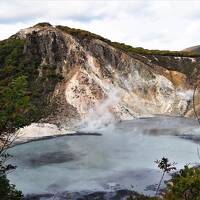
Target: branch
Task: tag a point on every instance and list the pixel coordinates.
(198, 154)
(193, 100)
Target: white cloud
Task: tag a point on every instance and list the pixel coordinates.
(148, 23)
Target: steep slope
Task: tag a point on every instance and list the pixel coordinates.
(78, 76)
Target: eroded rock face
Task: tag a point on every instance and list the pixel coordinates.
(100, 81)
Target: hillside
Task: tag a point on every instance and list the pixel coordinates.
(74, 75)
(194, 49)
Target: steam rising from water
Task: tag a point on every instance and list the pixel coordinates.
(185, 95)
(101, 115)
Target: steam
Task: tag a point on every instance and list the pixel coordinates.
(185, 95)
(101, 115)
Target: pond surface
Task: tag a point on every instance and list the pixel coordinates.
(121, 158)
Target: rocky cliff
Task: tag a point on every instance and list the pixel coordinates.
(80, 76)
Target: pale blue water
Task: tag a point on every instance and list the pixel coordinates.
(123, 156)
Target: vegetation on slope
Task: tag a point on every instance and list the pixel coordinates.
(15, 96)
(15, 64)
(86, 35)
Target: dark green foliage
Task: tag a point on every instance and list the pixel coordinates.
(12, 60)
(185, 185)
(17, 63)
(16, 74)
(11, 51)
(8, 191)
(15, 104)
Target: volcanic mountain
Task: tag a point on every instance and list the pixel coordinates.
(76, 75)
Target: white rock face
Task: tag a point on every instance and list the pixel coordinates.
(122, 97)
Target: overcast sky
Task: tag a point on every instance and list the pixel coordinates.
(151, 24)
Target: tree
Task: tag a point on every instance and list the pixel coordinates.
(193, 102)
(166, 167)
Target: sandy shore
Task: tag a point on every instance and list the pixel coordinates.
(44, 131)
(38, 131)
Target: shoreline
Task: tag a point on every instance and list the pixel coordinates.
(46, 131)
(52, 137)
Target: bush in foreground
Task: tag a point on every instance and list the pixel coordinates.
(185, 185)
(8, 191)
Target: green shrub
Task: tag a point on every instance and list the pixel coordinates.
(185, 185)
(8, 191)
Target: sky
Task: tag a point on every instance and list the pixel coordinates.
(152, 24)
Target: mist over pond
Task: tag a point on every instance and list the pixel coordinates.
(123, 156)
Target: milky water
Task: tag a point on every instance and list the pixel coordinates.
(121, 158)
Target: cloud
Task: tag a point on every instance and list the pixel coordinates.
(148, 23)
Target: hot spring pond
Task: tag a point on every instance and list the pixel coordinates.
(121, 158)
